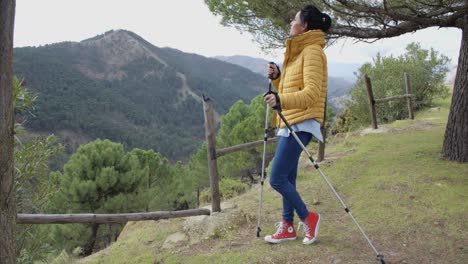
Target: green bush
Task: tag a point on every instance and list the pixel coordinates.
(427, 70)
(228, 188)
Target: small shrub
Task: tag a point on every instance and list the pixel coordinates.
(228, 188)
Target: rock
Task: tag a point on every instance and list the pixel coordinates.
(206, 227)
(173, 239)
(374, 131)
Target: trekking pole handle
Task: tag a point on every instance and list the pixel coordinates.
(269, 80)
(277, 67)
(270, 91)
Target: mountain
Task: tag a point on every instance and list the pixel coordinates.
(343, 70)
(340, 81)
(450, 79)
(338, 93)
(121, 87)
(256, 65)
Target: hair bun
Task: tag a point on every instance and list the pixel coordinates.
(315, 19)
(326, 19)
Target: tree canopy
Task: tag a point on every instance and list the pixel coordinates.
(268, 21)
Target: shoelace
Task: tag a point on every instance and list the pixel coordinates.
(280, 227)
(305, 226)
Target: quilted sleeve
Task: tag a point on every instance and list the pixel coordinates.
(313, 74)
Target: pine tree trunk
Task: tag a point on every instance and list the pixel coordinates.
(88, 248)
(7, 193)
(456, 134)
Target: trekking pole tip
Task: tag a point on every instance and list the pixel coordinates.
(258, 231)
(380, 258)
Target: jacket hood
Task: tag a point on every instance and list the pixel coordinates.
(311, 37)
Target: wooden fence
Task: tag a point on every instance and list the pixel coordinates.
(213, 153)
(105, 218)
(372, 101)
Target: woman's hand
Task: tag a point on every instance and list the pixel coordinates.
(273, 71)
(270, 99)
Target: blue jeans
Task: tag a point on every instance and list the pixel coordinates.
(284, 173)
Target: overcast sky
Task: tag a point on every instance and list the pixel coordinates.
(187, 25)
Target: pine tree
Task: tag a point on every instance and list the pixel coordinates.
(157, 190)
(99, 178)
(242, 124)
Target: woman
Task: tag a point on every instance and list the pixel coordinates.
(301, 91)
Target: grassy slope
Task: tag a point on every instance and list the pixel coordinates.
(411, 203)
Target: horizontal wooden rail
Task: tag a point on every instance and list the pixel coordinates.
(105, 218)
(224, 151)
(386, 99)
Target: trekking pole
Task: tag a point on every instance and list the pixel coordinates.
(380, 257)
(265, 138)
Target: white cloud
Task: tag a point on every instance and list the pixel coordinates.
(189, 26)
(446, 41)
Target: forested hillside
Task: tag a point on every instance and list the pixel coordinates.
(121, 87)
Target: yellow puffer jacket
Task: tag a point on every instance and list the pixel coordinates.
(302, 86)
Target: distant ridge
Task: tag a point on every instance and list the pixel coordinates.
(256, 65)
(338, 87)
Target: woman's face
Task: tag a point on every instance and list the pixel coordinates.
(296, 27)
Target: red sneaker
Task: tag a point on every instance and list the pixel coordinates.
(311, 227)
(285, 231)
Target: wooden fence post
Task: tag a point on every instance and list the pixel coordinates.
(211, 151)
(323, 129)
(370, 95)
(409, 100)
(198, 197)
(321, 149)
